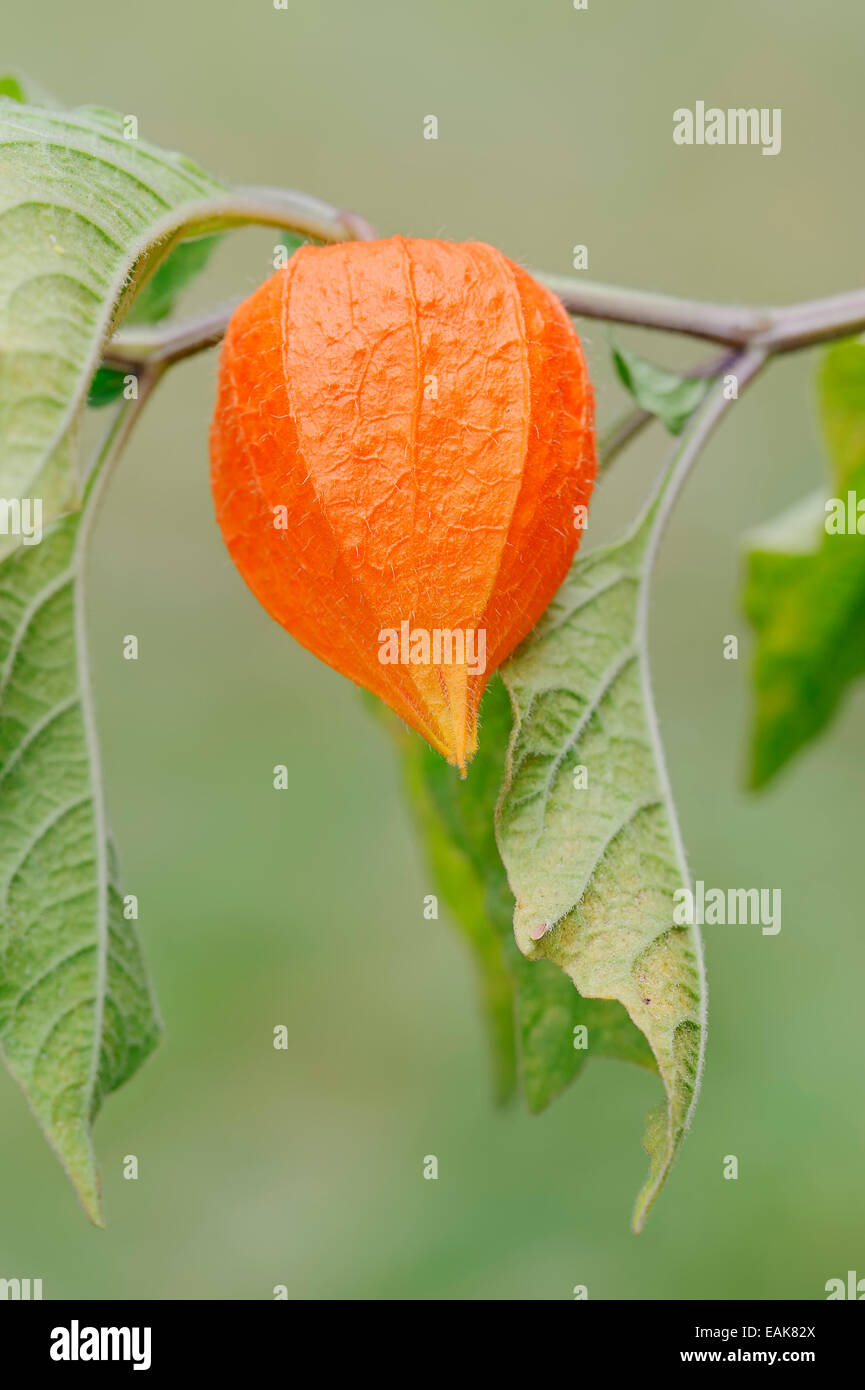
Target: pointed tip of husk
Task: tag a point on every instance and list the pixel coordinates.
(446, 714)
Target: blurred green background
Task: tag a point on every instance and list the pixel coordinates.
(304, 1167)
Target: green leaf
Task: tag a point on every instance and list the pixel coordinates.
(158, 298)
(77, 1016)
(532, 1010)
(599, 865)
(455, 818)
(842, 409)
(805, 587)
(85, 216)
(670, 397)
(292, 242)
(106, 386)
(11, 87)
(19, 88)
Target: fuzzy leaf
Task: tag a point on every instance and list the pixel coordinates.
(85, 216)
(531, 1008)
(599, 864)
(805, 586)
(77, 1015)
(156, 301)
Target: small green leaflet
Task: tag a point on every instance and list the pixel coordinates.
(23, 89)
(292, 242)
(598, 866)
(11, 87)
(77, 1015)
(532, 1009)
(106, 386)
(157, 298)
(672, 398)
(805, 585)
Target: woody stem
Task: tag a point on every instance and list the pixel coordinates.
(776, 330)
(620, 433)
(734, 326)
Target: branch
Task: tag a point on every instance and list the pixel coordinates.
(733, 326)
(816, 321)
(745, 367)
(717, 323)
(132, 349)
(296, 212)
(620, 434)
(778, 330)
(120, 429)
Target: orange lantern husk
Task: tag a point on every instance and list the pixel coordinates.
(402, 447)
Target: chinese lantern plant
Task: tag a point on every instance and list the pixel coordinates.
(371, 514)
(402, 453)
